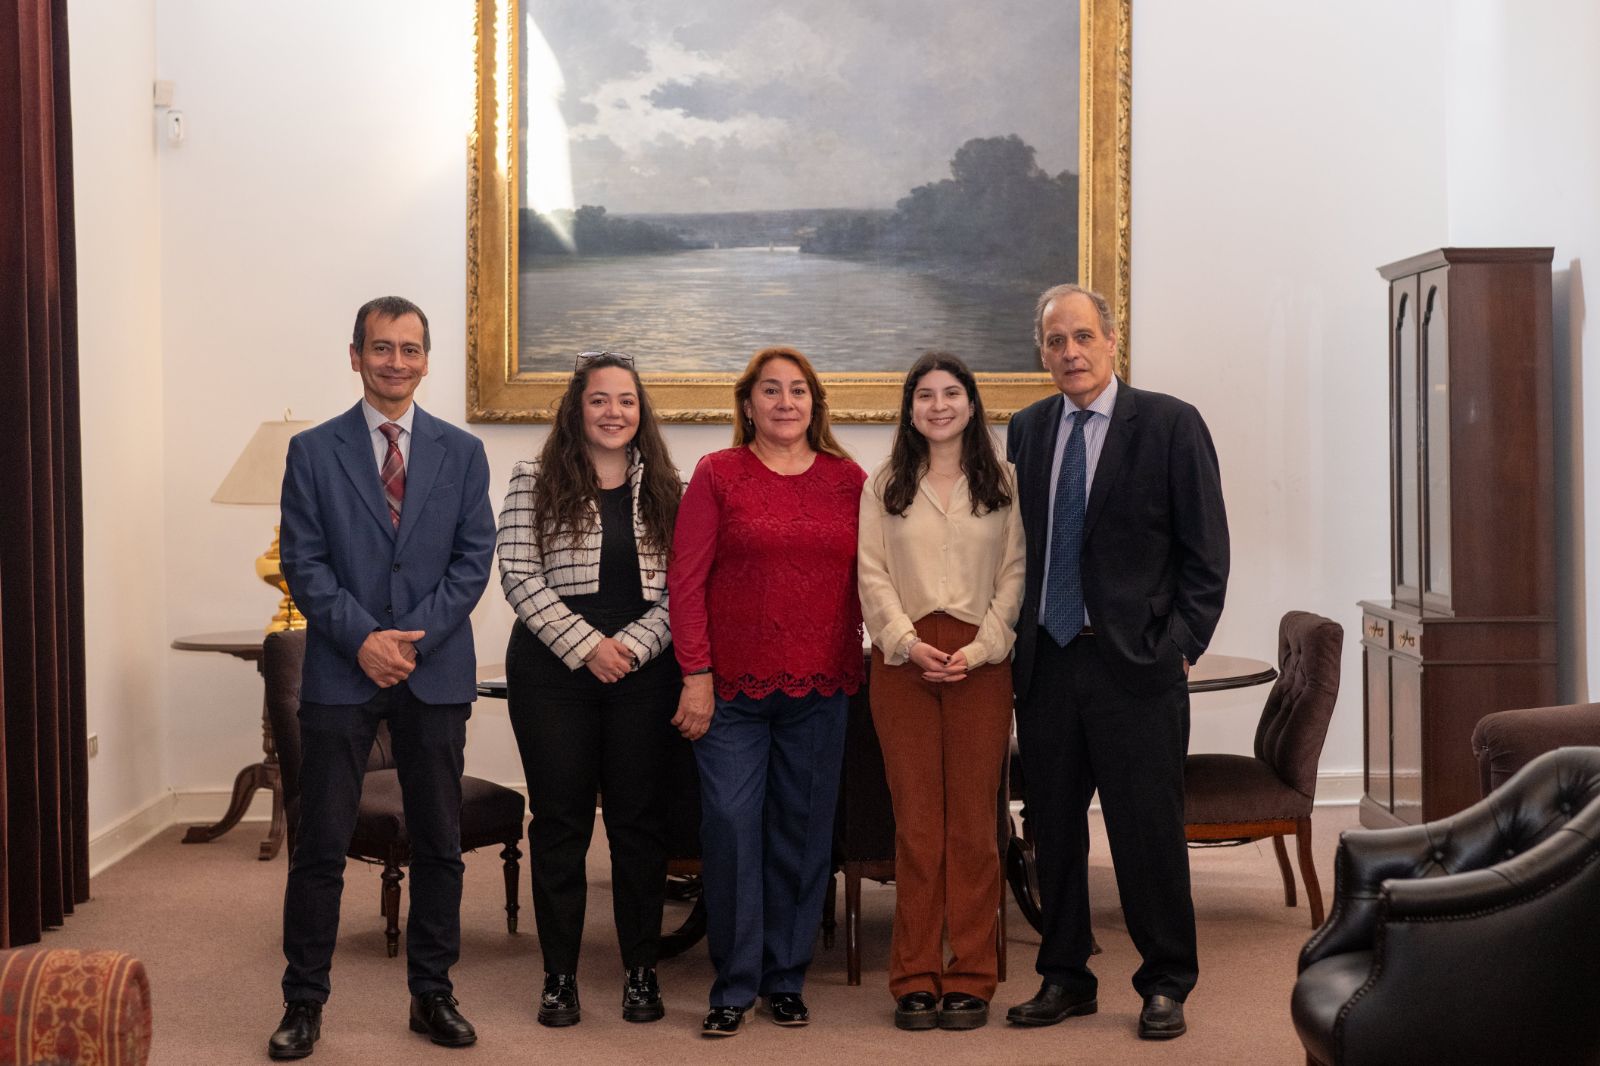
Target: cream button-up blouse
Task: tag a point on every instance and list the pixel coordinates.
(932, 559)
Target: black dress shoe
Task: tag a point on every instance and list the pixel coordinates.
(435, 1014)
(722, 1021)
(300, 1028)
(1051, 1004)
(641, 996)
(1161, 1018)
(916, 1010)
(960, 1011)
(788, 1008)
(558, 1003)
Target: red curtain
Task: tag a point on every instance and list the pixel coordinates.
(44, 821)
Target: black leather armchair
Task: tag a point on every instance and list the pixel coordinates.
(1472, 939)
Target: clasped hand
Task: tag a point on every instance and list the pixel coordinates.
(610, 661)
(938, 666)
(389, 655)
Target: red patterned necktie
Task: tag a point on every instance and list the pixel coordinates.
(393, 473)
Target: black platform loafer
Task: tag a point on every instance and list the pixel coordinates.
(641, 996)
(1161, 1019)
(787, 1008)
(300, 1029)
(722, 1021)
(435, 1014)
(1051, 1004)
(558, 1003)
(916, 1010)
(960, 1011)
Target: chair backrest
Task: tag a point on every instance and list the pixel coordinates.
(282, 656)
(1294, 722)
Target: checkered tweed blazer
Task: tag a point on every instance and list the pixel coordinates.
(534, 584)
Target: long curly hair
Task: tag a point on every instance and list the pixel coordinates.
(988, 485)
(819, 433)
(567, 490)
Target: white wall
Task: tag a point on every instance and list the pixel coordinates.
(113, 57)
(1281, 154)
(1524, 167)
(1273, 171)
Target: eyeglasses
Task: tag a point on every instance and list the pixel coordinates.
(586, 358)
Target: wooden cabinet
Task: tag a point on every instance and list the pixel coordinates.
(1469, 626)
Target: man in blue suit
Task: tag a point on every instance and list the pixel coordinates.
(386, 540)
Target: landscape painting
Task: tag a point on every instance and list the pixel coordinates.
(689, 182)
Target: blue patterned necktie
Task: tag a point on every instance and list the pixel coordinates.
(1063, 608)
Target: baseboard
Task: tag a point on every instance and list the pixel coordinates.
(116, 842)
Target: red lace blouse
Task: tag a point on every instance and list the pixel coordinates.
(762, 581)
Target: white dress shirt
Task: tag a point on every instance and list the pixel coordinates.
(380, 443)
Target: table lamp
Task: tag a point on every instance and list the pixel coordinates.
(257, 477)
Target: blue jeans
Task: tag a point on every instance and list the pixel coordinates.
(769, 785)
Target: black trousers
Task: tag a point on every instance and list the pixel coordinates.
(579, 737)
(336, 740)
(1078, 731)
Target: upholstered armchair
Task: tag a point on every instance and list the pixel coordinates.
(66, 1007)
(1506, 741)
(1234, 799)
(490, 813)
(1471, 939)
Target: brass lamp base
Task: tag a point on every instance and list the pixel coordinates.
(269, 569)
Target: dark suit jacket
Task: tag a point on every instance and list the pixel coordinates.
(351, 572)
(1155, 543)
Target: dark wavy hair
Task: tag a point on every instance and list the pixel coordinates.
(567, 484)
(819, 433)
(987, 483)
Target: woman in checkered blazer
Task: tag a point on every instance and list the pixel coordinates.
(590, 677)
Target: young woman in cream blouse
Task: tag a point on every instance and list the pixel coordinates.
(941, 570)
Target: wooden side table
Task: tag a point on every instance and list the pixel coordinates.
(243, 644)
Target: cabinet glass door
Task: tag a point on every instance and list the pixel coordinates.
(1435, 376)
(1403, 446)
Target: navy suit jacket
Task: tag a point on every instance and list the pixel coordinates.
(352, 572)
(1155, 541)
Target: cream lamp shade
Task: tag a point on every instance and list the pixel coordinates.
(257, 477)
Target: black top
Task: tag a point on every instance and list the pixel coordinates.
(620, 599)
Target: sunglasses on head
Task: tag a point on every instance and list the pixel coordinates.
(586, 358)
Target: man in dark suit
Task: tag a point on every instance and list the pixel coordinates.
(386, 540)
(1127, 565)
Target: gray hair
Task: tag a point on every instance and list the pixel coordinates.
(389, 307)
(1108, 326)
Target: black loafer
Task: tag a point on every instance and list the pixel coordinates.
(558, 1003)
(435, 1014)
(641, 996)
(722, 1021)
(300, 1028)
(787, 1008)
(960, 1011)
(916, 1010)
(1161, 1019)
(1051, 1004)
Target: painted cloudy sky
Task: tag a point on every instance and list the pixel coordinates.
(729, 105)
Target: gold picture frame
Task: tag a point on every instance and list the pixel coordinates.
(497, 392)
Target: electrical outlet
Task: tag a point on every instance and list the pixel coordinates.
(94, 744)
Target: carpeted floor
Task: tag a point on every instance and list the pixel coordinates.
(205, 921)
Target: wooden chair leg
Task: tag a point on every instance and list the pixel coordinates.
(509, 855)
(852, 923)
(1000, 935)
(1283, 868)
(390, 900)
(830, 908)
(1308, 869)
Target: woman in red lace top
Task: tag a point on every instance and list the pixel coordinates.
(767, 629)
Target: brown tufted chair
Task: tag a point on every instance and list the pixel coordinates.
(1506, 741)
(1471, 939)
(490, 813)
(1234, 799)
